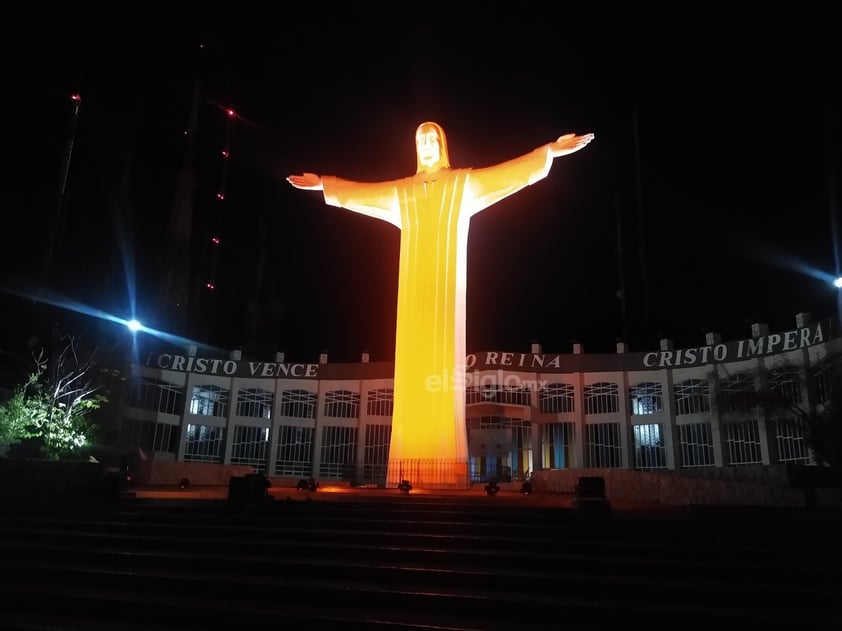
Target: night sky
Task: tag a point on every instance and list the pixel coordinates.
(710, 187)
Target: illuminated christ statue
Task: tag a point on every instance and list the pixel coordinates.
(433, 209)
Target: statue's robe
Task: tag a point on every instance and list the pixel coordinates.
(429, 442)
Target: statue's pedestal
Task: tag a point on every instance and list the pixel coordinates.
(429, 474)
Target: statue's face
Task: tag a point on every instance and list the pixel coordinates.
(427, 143)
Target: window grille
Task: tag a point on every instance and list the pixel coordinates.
(602, 398)
(786, 382)
(646, 398)
(650, 451)
(294, 455)
(738, 392)
(696, 443)
(376, 454)
(342, 404)
(691, 396)
(376, 451)
(557, 398)
(150, 436)
(338, 449)
(792, 442)
(255, 403)
(827, 378)
(249, 447)
(511, 395)
(298, 403)
(381, 402)
(603, 446)
(205, 443)
(156, 395)
(743, 440)
(557, 439)
(209, 400)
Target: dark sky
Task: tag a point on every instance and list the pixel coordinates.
(711, 183)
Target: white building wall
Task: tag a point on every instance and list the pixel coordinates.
(667, 376)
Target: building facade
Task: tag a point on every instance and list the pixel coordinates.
(674, 409)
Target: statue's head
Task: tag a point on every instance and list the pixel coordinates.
(431, 148)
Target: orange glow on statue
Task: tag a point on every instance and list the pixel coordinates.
(432, 209)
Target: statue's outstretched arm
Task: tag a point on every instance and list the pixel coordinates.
(491, 184)
(306, 181)
(569, 143)
(378, 200)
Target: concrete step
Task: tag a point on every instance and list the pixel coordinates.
(435, 563)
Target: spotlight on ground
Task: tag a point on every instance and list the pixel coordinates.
(307, 485)
(404, 487)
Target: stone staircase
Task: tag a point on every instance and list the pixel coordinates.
(413, 562)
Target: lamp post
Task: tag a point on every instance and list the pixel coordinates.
(838, 284)
(134, 326)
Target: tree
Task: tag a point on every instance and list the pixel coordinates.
(18, 414)
(777, 394)
(52, 409)
(824, 423)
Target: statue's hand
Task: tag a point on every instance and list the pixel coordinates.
(568, 143)
(306, 181)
